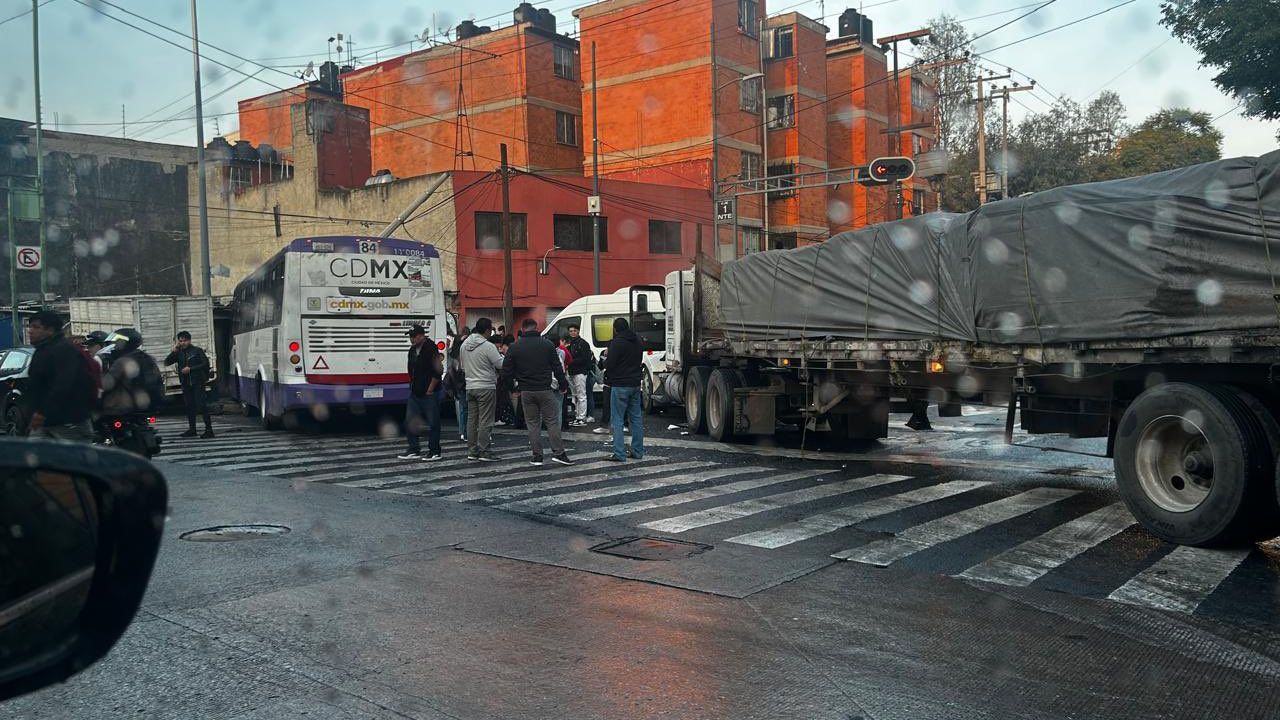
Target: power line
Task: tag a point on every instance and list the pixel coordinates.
(1064, 25)
(1131, 66)
(1037, 9)
(22, 14)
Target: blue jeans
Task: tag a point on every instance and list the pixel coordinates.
(460, 410)
(423, 413)
(625, 403)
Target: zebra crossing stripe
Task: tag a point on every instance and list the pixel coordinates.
(305, 456)
(236, 452)
(619, 474)
(693, 495)
(1181, 580)
(473, 479)
(746, 508)
(828, 522)
(950, 527)
(540, 503)
(428, 471)
(1028, 562)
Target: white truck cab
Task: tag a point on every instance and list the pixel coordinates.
(594, 316)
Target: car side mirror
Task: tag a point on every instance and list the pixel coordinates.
(80, 527)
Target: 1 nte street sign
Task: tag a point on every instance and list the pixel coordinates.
(28, 257)
(725, 209)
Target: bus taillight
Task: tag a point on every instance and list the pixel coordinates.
(295, 346)
(441, 346)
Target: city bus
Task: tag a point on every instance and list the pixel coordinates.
(323, 325)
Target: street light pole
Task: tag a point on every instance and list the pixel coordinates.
(595, 175)
(35, 54)
(206, 279)
(715, 148)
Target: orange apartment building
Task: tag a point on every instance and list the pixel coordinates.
(679, 102)
(450, 106)
(786, 100)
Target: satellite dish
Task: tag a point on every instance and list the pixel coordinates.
(311, 69)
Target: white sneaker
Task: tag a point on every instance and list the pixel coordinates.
(409, 456)
(601, 431)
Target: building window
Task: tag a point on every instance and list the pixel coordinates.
(782, 112)
(566, 128)
(750, 166)
(747, 21)
(574, 232)
(782, 241)
(562, 61)
(489, 231)
(786, 185)
(919, 203)
(664, 237)
(749, 93)
(750, 241)
(780, 43)
(921, 96)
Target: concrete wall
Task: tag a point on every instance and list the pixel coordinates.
(242, 227)
(116, 210)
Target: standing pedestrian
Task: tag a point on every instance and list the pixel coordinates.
(60, 393)
(455, 382)
(193, 373)
(579, 369)
(422, 412)
(481, 362)
(532, 362)
(622, 372)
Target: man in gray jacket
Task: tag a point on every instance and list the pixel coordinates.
(481, 363)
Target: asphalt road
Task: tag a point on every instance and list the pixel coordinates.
(932, 575)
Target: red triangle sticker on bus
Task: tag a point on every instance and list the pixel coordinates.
(320, 364)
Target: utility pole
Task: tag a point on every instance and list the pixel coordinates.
(507, 297)
(595, 176)
(764, 144)
(982, 136)
(715, 146)
(982, 146)
(35, 55)
(13, 262)
(1004, 135)
(206, 278)
(895, 130)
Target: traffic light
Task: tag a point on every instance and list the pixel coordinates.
(888, 169)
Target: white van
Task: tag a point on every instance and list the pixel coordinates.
(594, 316)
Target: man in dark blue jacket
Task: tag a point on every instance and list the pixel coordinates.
(531, 363)
(426, 389)
(61, 394)
(622, 372)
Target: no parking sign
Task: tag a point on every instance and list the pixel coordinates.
(29, 258)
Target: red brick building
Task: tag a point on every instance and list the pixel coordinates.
(693, 96)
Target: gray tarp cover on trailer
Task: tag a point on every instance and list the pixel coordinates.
(1185, 251)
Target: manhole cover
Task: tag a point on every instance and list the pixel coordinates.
(651, 548)
(230, 533)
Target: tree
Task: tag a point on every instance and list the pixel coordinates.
(1240, 39)
(948, 40)
(1168, 139)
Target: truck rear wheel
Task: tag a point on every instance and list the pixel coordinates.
(1193, 464)
(720, 403)
(695, 399)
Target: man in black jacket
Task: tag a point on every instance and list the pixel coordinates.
(579, 367)
(531, 362)
(60, 392)
(193, 374)
(622, 372)
(426, 389)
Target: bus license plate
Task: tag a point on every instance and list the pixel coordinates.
(372, 393)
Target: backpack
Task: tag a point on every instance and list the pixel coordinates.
(94, 372)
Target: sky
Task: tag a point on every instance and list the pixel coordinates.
(94, 69)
